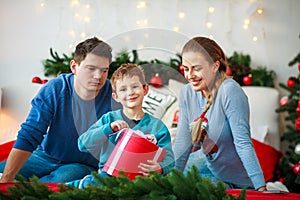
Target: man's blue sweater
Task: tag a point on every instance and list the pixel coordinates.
(58, 117)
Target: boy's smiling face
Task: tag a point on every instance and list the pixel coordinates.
(130, 92)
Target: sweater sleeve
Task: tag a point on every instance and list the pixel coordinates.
(164, 141)
(39, 118)
(183, 141)
(92, 140)
(237, 110)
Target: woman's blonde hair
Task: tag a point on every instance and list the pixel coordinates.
(213, 53)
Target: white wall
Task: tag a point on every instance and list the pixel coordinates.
(28, 30)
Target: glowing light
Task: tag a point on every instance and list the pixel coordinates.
(87, 6)
(211, 37)
(176, 29)
(254, 38)
(209, 25)
(247, 21)
(72, 33)
(211, 9)
(260, 11)
(76, 15)
(83, 34)
(181, 15)
(245, 26)
(42, 4)
(141, 4)
(140, 46)
(75, 3)
(142, 22)
(70, 46)
(87, 19)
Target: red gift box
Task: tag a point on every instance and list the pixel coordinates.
(131, 150)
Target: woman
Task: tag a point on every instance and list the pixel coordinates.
(214, 117)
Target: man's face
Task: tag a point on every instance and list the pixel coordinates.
(90, 75)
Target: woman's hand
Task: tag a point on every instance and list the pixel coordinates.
(118, 125)
(151, 166)
(263, 188)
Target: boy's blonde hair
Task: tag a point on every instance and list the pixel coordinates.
(128, 69)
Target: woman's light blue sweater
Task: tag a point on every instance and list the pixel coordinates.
(228, 125)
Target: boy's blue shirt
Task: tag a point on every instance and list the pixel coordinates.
(100, 140)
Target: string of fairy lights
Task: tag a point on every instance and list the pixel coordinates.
(81, 15)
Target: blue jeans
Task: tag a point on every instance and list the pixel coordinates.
(48, 169)
(86, 181)
(198, 159)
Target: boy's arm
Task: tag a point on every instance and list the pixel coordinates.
(91, 140)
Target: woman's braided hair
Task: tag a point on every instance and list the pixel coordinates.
(213, 52)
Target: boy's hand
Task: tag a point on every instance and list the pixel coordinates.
(151, 166)
(118, 125)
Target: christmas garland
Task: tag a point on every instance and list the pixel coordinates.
(239, 68)
(173, 186)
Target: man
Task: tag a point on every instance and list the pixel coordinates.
(63, 109)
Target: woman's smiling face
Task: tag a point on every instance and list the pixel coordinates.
(199, 71)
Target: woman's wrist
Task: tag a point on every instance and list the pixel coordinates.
(263, 188)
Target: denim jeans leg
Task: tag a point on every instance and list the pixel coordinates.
(37, 165)
(67, 173)
(199, 160)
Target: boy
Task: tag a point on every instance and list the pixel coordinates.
(129, 88)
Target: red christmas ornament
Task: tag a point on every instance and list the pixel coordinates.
(228, 71)
(298, 111)
(297, 124)
(181, 69)
(296, 168)
(284, 101)
(156, 81)
(36, 79)
(44, 81)
(282, 180)
(299, 66)
(291, 82)
(247, 80)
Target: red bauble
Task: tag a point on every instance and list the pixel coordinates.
(281, 180)
(156, 81)
(228, 71)
(299, 66)
(36, 79)
(247, 80)
(181, 69)
(297, 124)
(284, 101)
(44, 81)
(291, 82)
(296, 168)
(298, 111)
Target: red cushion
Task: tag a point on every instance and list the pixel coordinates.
(268, 158)
(5, 149)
